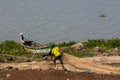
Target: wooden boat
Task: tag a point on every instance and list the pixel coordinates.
(28, 45)
(38, 50)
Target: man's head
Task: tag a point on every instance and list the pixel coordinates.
(53, 46)
(21, 33)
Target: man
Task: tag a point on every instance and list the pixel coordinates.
(25, 40)
(58, 56)
(22, 38)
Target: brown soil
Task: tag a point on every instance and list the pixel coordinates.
(95, 68)
(53, 75)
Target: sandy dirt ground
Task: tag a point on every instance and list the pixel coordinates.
(95, 68)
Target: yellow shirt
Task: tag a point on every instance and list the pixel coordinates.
(56, 51)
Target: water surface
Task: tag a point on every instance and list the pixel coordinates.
(59, 20)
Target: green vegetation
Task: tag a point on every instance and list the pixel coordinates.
(66, 44)
(80, 54)
(102, 43)
(12, 48)
(90, 44)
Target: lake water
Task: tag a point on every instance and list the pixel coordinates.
(59, 20)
